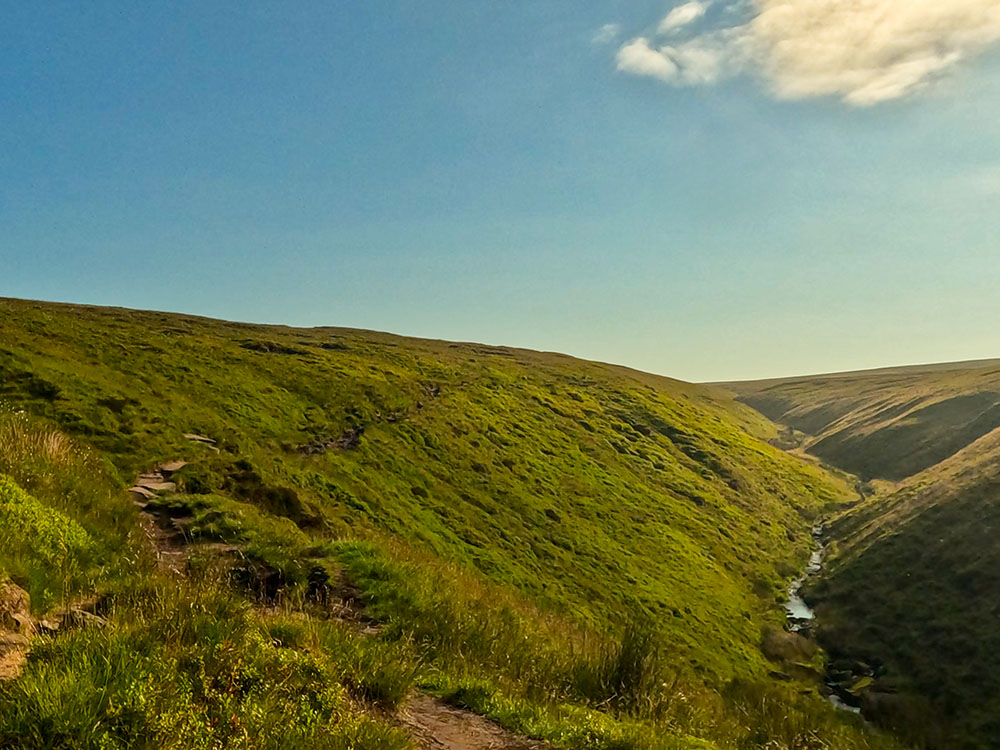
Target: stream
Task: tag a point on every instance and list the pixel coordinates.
(801, 617)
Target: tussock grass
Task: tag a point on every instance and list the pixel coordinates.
(190, 665)
(64, 526)
(180, 663)
(574, 687)
(41, 547)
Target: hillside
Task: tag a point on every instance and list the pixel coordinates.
(888, 424)
(913, 581)
(586, 553)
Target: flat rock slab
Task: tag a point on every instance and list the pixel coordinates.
(434, 725)
(141, 493)
(171, 466)
(158, 486)
(199, 438)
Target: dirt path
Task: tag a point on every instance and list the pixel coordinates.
(13, 655)
(435, 725)
(16, 625)
(162, 533)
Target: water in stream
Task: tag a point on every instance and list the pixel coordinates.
(798, 612)
(800, 615)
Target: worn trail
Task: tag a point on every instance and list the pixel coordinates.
(435, 725)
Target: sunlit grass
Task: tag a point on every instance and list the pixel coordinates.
(586, 554)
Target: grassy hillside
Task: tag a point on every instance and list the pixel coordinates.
(158, 661)
(586, 553)
(915, 588)
(913, 581)
(887, 424)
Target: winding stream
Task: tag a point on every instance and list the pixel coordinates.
(800, 615)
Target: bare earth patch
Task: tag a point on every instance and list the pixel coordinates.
(435, 725)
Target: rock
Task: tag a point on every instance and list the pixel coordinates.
(80, 618)
(26, 623)
(861, 685)
(15, 606)
(862, 668)
(10, 642)
(199, 438)
(778, 645)
(141, 495)
(158, 486)
(171, 466)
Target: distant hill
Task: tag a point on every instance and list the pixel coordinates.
(915, 579)
(589, 554)
(889, 423)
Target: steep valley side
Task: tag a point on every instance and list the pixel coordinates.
(913, 579)
(587, 554)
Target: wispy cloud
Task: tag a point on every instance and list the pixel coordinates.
(608, 33)
(682, 15)
(863, 51)
(638, 58)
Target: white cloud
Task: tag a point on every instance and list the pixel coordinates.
(682, 15)
(863, 51)
(638, 58)
(608, 33)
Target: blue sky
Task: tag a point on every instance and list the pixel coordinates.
(571, 176)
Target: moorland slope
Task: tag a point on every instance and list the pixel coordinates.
(585, 553)
(914, 577)
(890, 423)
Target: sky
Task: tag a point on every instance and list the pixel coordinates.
(707, 190)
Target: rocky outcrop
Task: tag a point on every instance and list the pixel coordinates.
(16, 625)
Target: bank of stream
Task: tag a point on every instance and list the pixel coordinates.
(842, 687)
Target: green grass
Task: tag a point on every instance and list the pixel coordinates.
(190, 666)
(39, 544)
(911, 586)
(63, 528)
(592, 551)
(180, 663)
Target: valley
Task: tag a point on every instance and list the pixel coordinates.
(908, 591)
(577, 554)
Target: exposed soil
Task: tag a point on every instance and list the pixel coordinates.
(18, 626)
(434, 725)
(13, 655)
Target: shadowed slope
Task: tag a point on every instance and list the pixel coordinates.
(915, 573)
(887, 424)
(915, 587)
